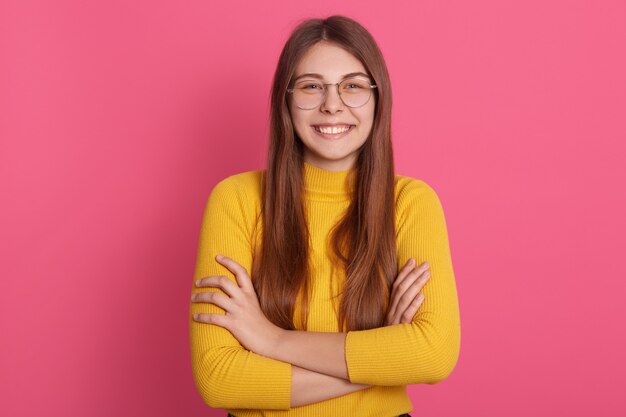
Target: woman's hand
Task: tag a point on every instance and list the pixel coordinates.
(244, 317)
(405, 297)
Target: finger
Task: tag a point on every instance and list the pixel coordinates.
(411, 292)
(400, 287)
(217, 319)
(219, 281)
(405, 293)
(406, 272)
(390, 320)
(406, 269)
(241, 274)
(412, 273)
(216, 298)
(409, 313)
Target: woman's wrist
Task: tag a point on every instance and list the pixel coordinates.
(309, 387)
(272, 342)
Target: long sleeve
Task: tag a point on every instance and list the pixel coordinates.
(226, 374)
(426, 350)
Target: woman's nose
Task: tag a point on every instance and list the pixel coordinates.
(332, 101)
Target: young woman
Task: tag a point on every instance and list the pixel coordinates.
(310, 293)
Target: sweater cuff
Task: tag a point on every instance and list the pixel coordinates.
(376, 356)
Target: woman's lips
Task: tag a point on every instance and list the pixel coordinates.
(331, 136)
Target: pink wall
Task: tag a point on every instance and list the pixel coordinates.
(117, 118)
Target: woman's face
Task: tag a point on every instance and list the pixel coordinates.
(331, 152)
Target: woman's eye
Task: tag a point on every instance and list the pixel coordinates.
(310, 86)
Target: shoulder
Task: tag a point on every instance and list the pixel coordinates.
(412, 190)
(240, 192)
(241, 185)
(416, 197)
(236, 198)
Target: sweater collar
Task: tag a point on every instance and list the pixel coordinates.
(320, 184)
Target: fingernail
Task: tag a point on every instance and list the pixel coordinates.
(411, 262)
(198, 282)
(426, 265)
(219, 257)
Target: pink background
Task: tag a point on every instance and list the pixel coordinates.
(117, 118)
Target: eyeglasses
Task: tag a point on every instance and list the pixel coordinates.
(353, 92)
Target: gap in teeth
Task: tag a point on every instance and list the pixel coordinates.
(332, 130)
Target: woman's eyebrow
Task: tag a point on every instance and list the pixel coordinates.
(321, 77)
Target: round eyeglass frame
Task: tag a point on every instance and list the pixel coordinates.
(371, 86)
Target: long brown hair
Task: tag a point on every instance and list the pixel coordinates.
(364, 240)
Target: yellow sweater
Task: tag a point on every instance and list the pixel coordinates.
(423, 352)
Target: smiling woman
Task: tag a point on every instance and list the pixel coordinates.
(312, 295)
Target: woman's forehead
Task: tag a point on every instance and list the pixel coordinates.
(328, 62)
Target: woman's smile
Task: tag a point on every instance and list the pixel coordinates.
(332, 132)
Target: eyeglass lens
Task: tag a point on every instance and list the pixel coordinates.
(354, 92)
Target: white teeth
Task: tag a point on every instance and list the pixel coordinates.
(332, 130)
